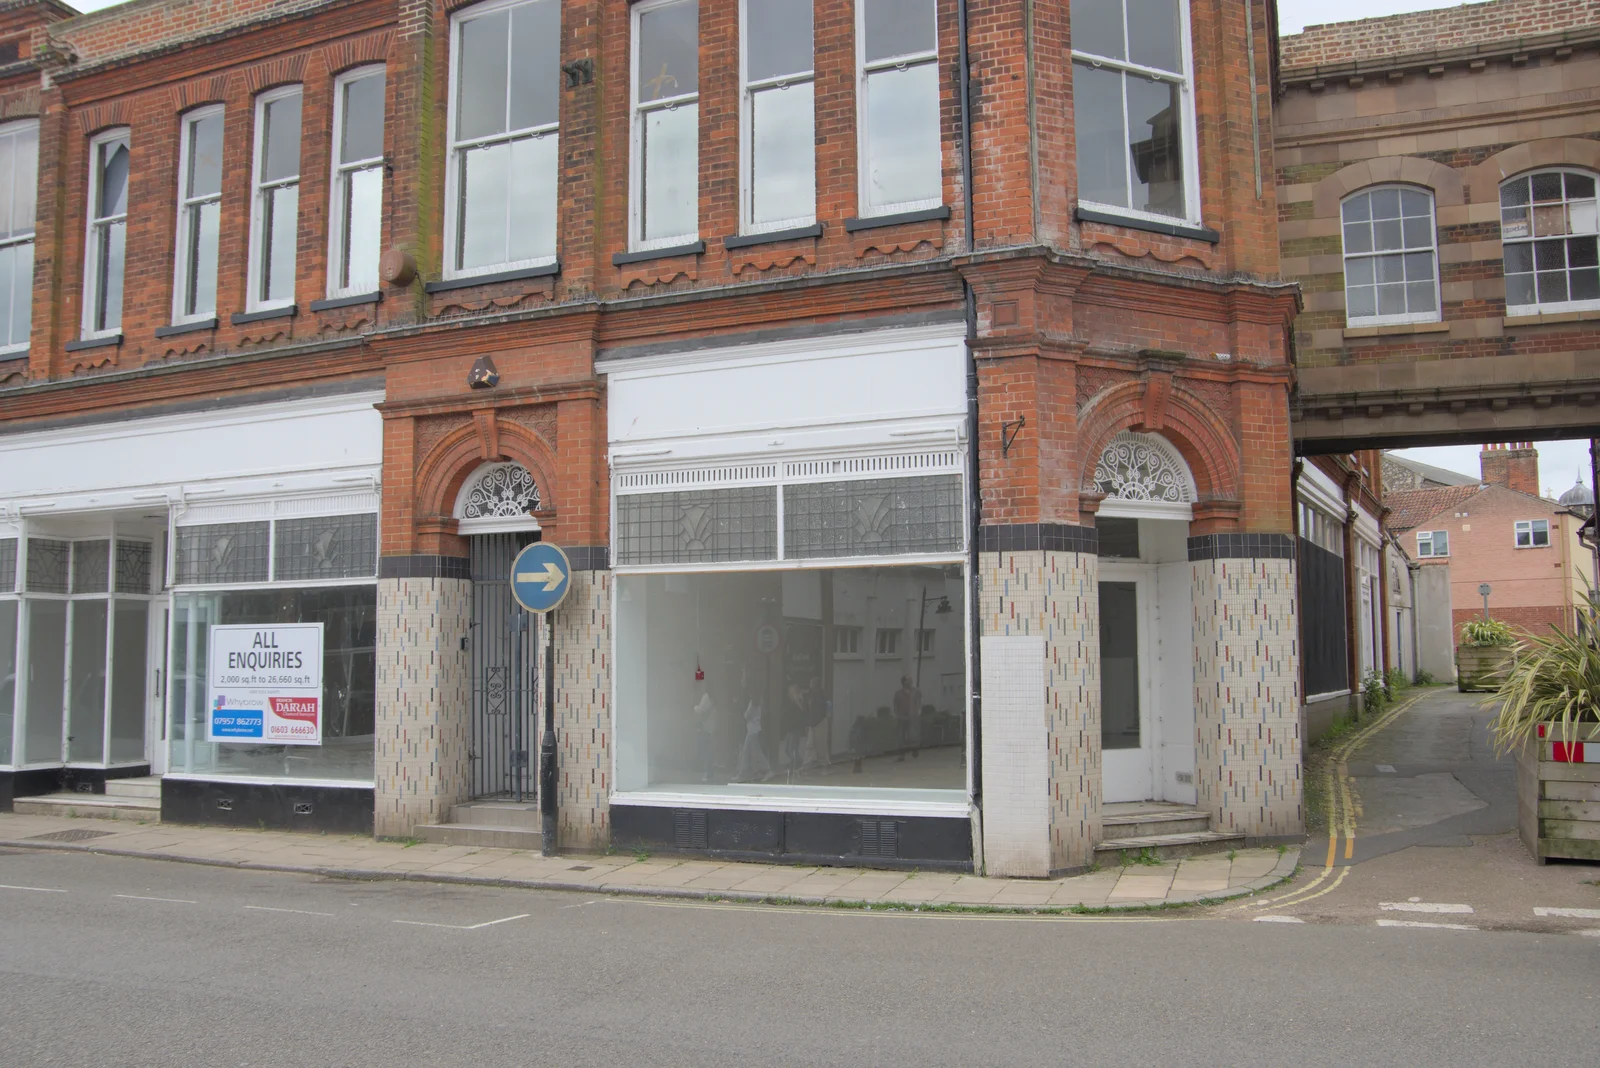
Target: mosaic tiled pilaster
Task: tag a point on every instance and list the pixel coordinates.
(423, 702)
(1247, 695)
(583, 711)
(1055, 594)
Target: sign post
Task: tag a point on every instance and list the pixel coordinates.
(1484, 589)
(540, 577)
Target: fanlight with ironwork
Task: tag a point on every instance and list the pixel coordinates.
(501, 491)
(1143, 467)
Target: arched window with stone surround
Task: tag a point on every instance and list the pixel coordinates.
(497, 497)
(1143, 469)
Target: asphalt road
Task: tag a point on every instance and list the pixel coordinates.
(113, 961)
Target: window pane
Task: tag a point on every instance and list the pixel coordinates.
(903, 162)
(782, 155)
(1550, 255)
(1519, 258)
(484, 195)
(86, 709)
(47, 665)
(8, 149)
(669, 50)
(481, 76)
(1552, 287)
(1097, 27)
(1585, 286)
(1419, 297)
(536, 64)
(1419, 265)
(1581, 252)
(671, 159)
(1581, 217)
(21, 293)
(112, 253)
(1358, 209)
(698, 526)
(363, 213)
(1414, 204)
(534, 163)
(1546, 187)
(280, 154)
(1549, 220)
(1386, 234)
(1361, 302)
(280, 228)
(1386, 204)
(129, 645)
(777, 38)
(898, 28)
(1154, 36)
(113, 179)
(362, 135)
(1359, 272)
(8, 675)
(1156, 144)
(1579, 186)
(1519, 290)
(201, 296)
(1514, 223)
(1514, 193)
(8, 291)
(1441, 543)
(1358, 237)
(205, 157)
(1418, 233)
(25, 181)
(1391, 300)
(1102, 140)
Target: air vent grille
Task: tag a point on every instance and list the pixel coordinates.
(689, 828)
(880, 838)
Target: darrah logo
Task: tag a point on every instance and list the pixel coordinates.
(300, 708)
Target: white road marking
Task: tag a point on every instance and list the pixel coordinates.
(35, 889)
(1571, 914)
(297, 912)
(168, 900)
(1422, 906)
(1387, 769)
(1433, 926)
(1591, 933)
(1277, 919)
(461, 927)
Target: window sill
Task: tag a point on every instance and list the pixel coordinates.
(108, 341)
(187, 328)
(346, 302)
(899, 218)
(796, 233)
(693, 248)
(467, 282)
(1397, 328)
(1544, 318)
(1135, 222)
(245, 318)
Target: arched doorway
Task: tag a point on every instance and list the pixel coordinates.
(1146, 626)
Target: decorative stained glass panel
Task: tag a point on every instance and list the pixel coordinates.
(873, 517)
(47, 565)
(701, 526)
(8, 564)
(91, 566)
(223, 552)
(503, 491)
(326, 547)
(134, 559)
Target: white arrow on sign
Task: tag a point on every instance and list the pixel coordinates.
(552, 577)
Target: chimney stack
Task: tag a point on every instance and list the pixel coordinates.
(1514, 465)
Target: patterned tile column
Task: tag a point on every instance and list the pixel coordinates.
(423, 713)
(1247, 684)
(583, 710)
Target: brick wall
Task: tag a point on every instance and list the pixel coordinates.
(1459, 26)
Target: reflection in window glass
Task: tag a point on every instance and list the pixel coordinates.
(666, 91)
(792, 703)
(781, 186)
(358, 184)
(46, 668)
(8, 677)
(277, 197)
(108, 197)
(19, 165)
(1389, 256)
(901, 165)
(1548, 229)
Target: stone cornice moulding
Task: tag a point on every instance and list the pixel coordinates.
(1425, 62)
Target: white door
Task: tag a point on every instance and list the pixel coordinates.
(1127, 696)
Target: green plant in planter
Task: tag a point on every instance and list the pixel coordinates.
(1553, 678)
(1485, 633)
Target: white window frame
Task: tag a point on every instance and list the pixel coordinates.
(864, 73)
(636, 115)
(15, 240)
(1530, 527)
(452, 176)
(91, 261)
(879, 634)
(341, 172)
(1538, 308)
(748, 91)
(180, 257)
(253, 301)
(1432, 543)
(1190, 132)
(1433, 250)
(842, 631)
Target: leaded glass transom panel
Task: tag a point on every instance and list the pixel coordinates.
(134, 561)
(326, 547)
(1142, 467)
(873, 517)
(91, 566)
(504, 491)
(701, 526)
(223, 552)
(48, 560)
(8, 564)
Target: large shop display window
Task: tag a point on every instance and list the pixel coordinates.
(804, 641)
(284, 573)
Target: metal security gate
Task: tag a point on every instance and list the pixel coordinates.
(505, 673)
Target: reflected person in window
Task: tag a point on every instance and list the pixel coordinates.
(907, 703)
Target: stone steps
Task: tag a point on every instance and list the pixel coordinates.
(99, 806)
(143, 786)
(1167, 846)
(498, 824)
(1146, 823)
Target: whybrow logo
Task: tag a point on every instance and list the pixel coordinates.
(301, 708)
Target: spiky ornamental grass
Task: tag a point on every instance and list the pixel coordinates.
(1553, 678)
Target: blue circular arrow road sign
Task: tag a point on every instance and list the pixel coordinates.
(540, 577)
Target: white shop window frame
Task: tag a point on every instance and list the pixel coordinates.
(341, 174)
(748, 92)
(259, 192)
(1189, 134)
(95, 226)
(11, 130)
(864, 72)
(637, 112)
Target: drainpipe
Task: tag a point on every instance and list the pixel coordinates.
(1412, 567)
(975, 496)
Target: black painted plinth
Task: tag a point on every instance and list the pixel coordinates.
(335, 809)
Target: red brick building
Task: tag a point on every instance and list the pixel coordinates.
(917, 430)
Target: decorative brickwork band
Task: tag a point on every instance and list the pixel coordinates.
(424, 566)
(1232, 546)
(1036, 537)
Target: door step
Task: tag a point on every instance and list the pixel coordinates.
(498, 824)
(99, 806)
(1168, 846)
(143, 786)
(1142, 820)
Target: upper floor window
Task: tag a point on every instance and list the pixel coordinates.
(665, 160)
(199, 215)
(357, 208)
(1133, 107)
(108, 231)
(19, 182)
(1433, 543)
(275, 218)
(897, 50)
(504, 114)
(1548, 227)
(1532, 533)
(1389, 257)
(779, 153)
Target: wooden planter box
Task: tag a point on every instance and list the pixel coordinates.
(1478, 665)
(1558, 795)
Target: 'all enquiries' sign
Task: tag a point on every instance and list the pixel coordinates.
(265, 684)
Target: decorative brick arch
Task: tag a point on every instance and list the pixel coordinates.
(1446, 183)
(1531, 155)
(443, 471)
(1179, 417)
